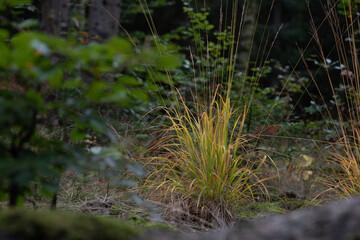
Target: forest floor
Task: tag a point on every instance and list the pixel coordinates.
(295, 186)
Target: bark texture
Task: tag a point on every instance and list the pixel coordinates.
(247, 33)
(277, 13)
(55, 17)
(103, 17)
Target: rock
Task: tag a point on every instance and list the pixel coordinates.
(336, 221)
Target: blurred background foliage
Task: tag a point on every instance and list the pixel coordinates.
(287, 21)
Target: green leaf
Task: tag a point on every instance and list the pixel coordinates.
(168, 62)
(139, 94)
(34, 97)
(74, 83)
(96, 91)
(118, 95)
(163, 78)
(117, 45)
(24, 54)
(14, 3)
(28, 23)
(77, 135)
(55, 78)
(128, 81)
(5, 56)
(4, 35)
(98, 125)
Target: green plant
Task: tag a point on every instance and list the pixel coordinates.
(18, 15)
(42, 93)
(205, 160)
(342, 114)
(345, 178)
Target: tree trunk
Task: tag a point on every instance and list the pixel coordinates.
(103, 17)
(55, 17)
(13, 194)
(54, 202)
(277, 14)
(247, 33)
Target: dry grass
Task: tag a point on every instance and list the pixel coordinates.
(206, 161)
(205, 165)
(344, 156)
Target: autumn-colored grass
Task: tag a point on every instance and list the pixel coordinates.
(206, 160)
(344, 154)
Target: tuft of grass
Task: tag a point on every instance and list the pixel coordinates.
(205, 164)
(345, 181)
(206, 160)
(344, 157)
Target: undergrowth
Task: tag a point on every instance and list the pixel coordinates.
(205, 161)
(228, 148)
(344, 178)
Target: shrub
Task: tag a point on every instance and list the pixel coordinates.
(42, 92)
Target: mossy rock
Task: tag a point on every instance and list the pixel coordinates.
(27, 224)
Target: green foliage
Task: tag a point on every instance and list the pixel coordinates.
(133, 7)
(15, 3)
(348, 6)
(42, 91)
(18, 15)
(293, 16)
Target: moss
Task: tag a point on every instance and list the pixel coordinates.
(261, 209)
(293, 203)
(139, 217)
(159, 226)
(26, 224)
(118, 209)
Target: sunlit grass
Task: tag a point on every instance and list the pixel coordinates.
(346, 180)
(206, 159)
